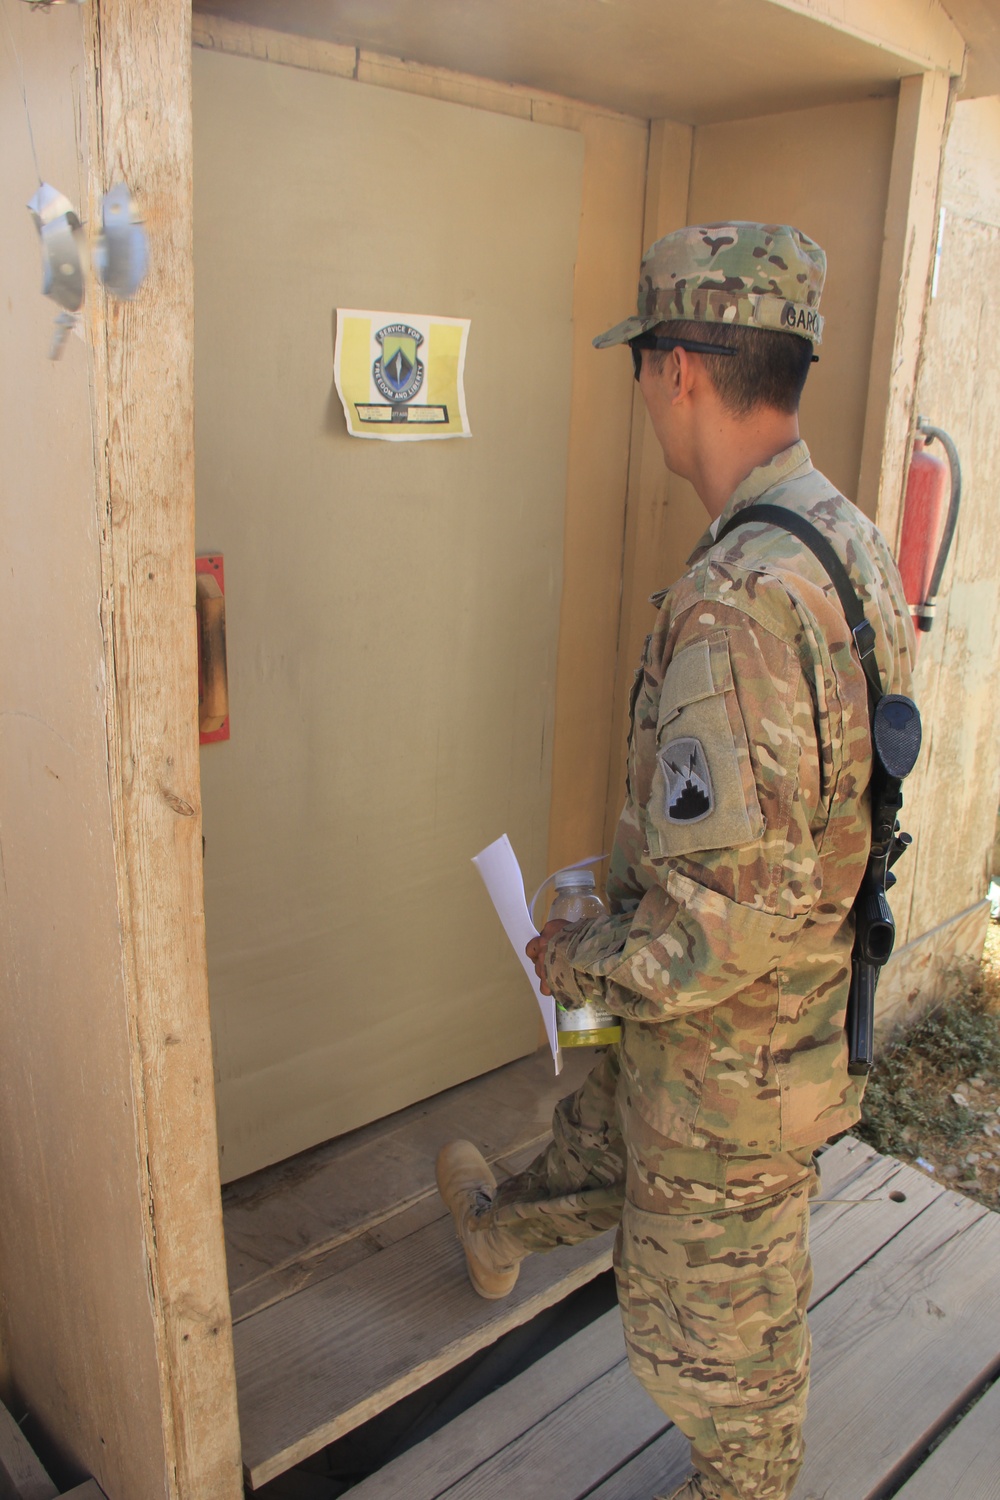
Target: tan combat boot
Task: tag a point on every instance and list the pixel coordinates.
(467, 1186)
(690, 1490)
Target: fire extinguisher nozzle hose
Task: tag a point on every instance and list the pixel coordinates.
(930, 432)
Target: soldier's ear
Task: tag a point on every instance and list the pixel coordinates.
(680, 373)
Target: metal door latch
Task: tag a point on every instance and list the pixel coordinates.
(121, 252)
(120, 255)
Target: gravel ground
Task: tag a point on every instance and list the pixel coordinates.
(933, 1098)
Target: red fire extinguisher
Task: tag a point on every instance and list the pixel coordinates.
(929, 517)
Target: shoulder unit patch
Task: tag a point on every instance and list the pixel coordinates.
(689, 796)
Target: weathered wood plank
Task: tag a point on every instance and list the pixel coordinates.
(858, 1435)
(849, 1169)
(321, 1362)
(460, 88)
(841, 1163)
(408, 1312)
(958, 674)
(22, 1475)
(563, 1453)
(661, 1464)
(429, 1469)
(845, 1237)
(904, 284)
(285, 1215)
(143, 406)
(967, 1463)
(89, 1490)
(286, 1280)
(221, 34)
(292, 1278)
(899, 1347)
(245, 39)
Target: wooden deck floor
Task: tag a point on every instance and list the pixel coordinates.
(347, 1284)
(906, 1330)
(349, 1292)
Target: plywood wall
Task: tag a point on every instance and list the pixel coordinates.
(393, 608)
(739, 169)
(73, 1263)
(587, 727)
(113, 1305)
(609, 246)
(837, 193)
(953, 795)
(910, 224)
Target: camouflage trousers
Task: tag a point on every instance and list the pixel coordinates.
(713, 1272)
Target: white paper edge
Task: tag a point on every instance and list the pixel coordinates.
(501, 874)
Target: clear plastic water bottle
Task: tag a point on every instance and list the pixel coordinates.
(591, 1025)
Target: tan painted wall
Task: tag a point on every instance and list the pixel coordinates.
(614, 184)
(843, 155)
(393, 608)
(75, 1303)
(836, 193)
(608, 250)
(953, 795)
(114, 1313)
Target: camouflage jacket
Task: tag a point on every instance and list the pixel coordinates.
(745, 832)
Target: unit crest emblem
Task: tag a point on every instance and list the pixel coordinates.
(689, 784)
(397, 372)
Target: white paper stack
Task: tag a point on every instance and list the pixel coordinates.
(501, 873)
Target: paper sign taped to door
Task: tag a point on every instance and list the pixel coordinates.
(401, 376)
(501, 873)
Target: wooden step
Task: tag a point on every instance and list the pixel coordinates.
(319, 1363)
(347, 1283)
(967, 1464)
(906, 1323)
(22, 1474)
(304, 1218)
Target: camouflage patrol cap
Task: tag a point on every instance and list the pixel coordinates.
(757, 275)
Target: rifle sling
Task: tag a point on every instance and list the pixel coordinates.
(860, 628)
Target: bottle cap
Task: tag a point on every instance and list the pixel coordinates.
(573, 879)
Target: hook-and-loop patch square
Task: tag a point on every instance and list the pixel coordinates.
(703, 794)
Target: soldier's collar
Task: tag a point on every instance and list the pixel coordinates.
(790, 463)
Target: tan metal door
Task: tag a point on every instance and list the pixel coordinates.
(391, 608)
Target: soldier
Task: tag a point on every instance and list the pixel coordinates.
(743, 840)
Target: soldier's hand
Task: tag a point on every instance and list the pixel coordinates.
(536, 950)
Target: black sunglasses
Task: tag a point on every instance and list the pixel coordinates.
(654, 341)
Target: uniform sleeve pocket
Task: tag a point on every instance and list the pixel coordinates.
(703, 794)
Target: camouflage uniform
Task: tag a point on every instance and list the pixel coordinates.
(727, 949)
